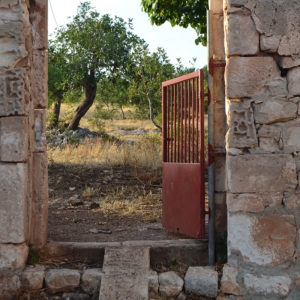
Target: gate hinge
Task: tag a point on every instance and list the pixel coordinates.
(213, 65)
(212, 154)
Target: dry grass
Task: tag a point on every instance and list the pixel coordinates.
(146, 153)
(146, 205)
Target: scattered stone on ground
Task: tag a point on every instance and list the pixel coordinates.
(170, 284)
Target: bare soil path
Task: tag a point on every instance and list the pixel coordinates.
(103, 204)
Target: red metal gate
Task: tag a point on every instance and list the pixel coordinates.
(183, 154)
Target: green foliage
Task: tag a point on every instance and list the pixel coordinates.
(33, 256)
(177, 12)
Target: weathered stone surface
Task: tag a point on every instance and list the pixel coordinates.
(261, 173)
(217, 37)
(62, 280)
(13, 203)
(203, 281)
(170, 284)
(293, 201)
(12, 95)
(91, 279)
(40, 130)
(242, 132)
(13, 256)
(228, 283)
(39, 21)
(262, 240)
(293, 78)
(39, 205)
(249, 76)
(242, 36)
(297, 283)
(33, 278)
(181, 296)
(287, 62)
(269, 137)
(39, 81)
(220, 180)
(252, 202)
(236, 3)
(271, 111)
(153, 284)
(13, 139)
(9, 285)
(278, 285)
(269, 43)
(290, 136)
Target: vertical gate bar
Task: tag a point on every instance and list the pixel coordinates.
(202, 158)
(164, 134)
(167, 124)
(178, 120)
(181, 110)
(175, 122)
(185, 121)
(193, 118)
(171, 136)
(197, 120)
(189, 121)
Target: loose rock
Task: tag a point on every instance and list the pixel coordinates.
(170, 284)
(91, 280)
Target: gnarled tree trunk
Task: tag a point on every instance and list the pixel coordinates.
(151, 114)
(81, 110)
(56, 111)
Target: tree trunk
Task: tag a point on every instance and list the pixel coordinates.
(56, 112)
(90, 94)
(151, 114)
(123, 113)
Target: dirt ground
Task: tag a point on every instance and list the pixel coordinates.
(103, 204)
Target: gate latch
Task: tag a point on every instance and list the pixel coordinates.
(213, 65)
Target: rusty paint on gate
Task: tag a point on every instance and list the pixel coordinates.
(183, 154)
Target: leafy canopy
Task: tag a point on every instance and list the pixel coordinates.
(179, 12)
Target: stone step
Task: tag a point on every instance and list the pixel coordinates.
(125, 273)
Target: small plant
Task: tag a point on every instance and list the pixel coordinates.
(88, 192)
(33, 256)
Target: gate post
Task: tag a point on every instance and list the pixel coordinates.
(263, 148)
(216, 132)
(23, 162)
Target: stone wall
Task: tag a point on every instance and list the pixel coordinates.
(23, 159)
(262, 83)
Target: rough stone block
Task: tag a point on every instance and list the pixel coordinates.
(62, 280)
(170, 284)
(242, 132)
(269, 43)
(39, 205)
(33, 278)
(287, 62)
(13, 256)
(9, 285)
(153, 284)
(91, 279)
(12, 92)
(252, 202)
(290, 136)
(13, 203)
(278, 285)
(39, 21)
(217, 38)
(271, 111)
(13, 139)
(293, 78)
(229, 284)
(249, 76)
(269, 138)
(258, 173)
(40, 144)
(203, 281)
(236, 3)
(293, 201)
(242, 36)
(297, 283)
(262, 240)
(39, 81)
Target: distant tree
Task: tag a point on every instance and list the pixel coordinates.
(97, 48)
(148, 71)
(58, 79)
(178, 12)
